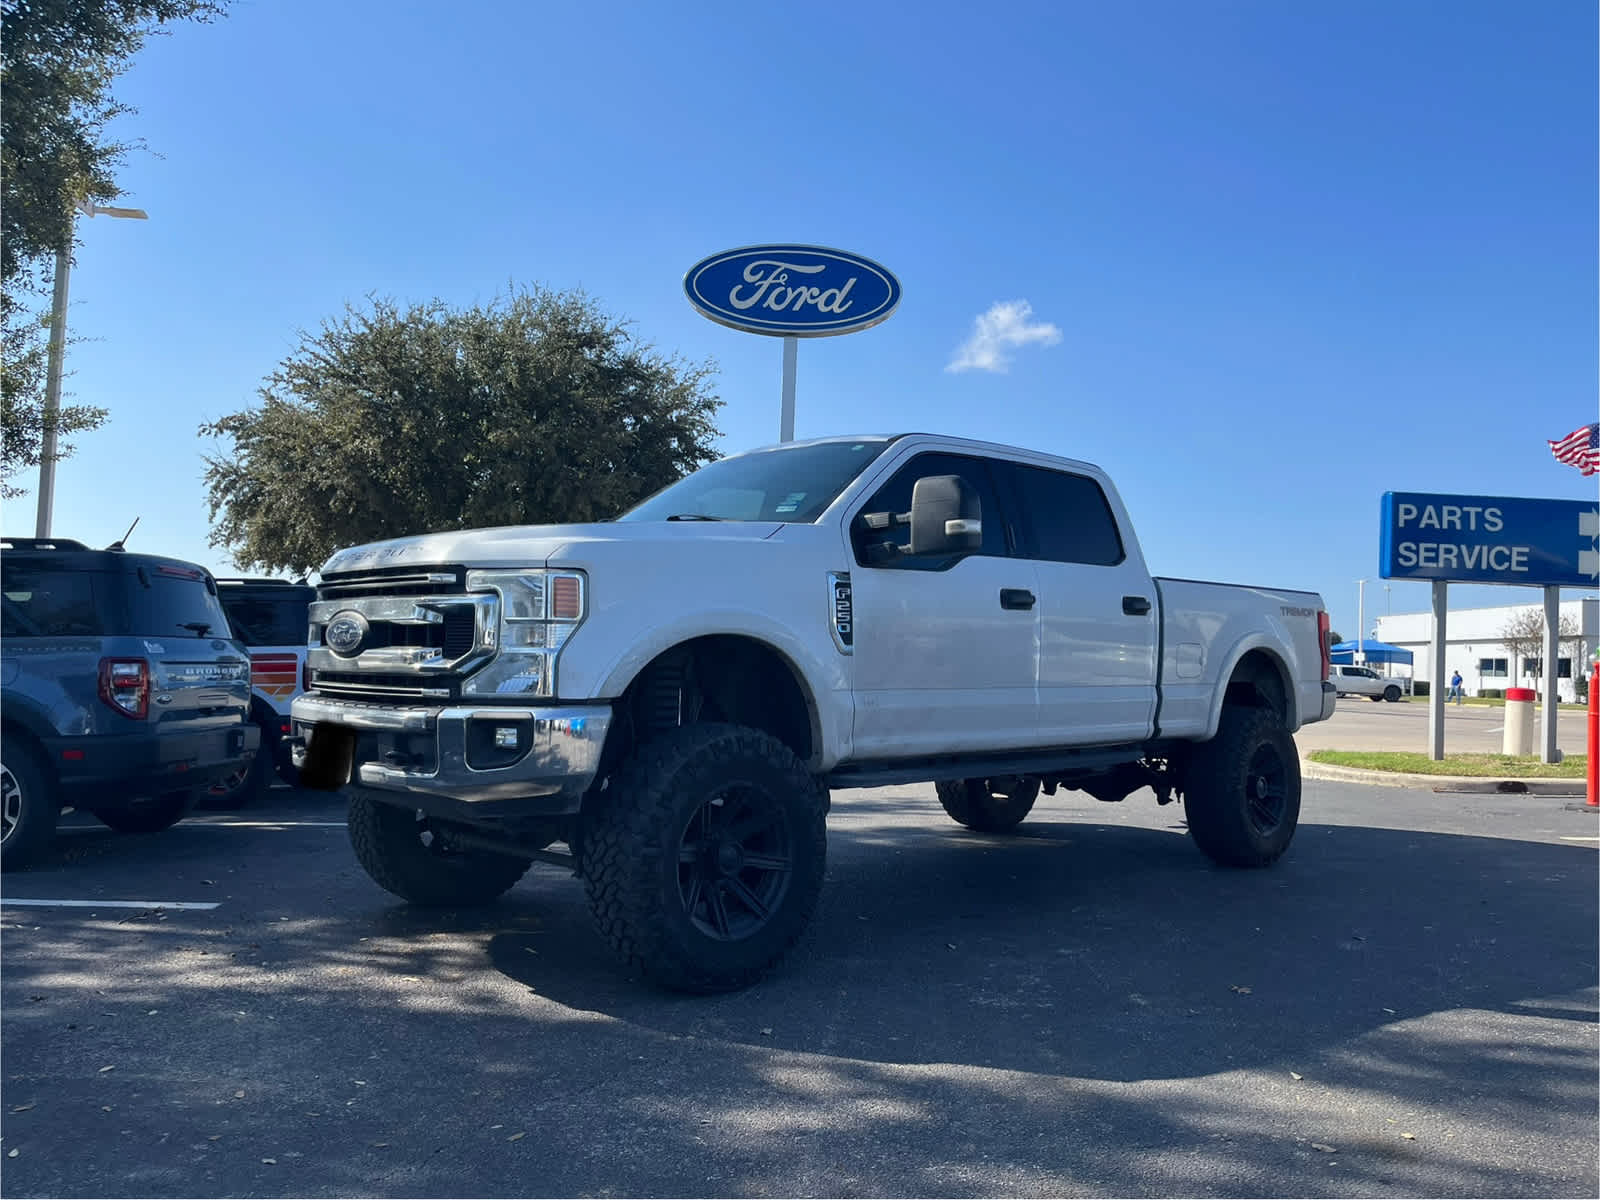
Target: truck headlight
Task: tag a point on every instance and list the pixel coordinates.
(538, 612)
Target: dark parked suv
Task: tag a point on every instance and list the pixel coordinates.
(125, 695)
(270, 617)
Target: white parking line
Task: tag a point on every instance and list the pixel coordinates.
(13, 902)
(1564, 838)
(264, 824)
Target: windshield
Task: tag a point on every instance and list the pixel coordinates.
(794, 483)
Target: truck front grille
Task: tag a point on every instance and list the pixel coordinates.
(393, 581)
(351, 685)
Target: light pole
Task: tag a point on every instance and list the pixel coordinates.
(1361, 621)
(58, 351)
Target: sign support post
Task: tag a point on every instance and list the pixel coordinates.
(1552, 647)
(791, 352)
(1436, 696)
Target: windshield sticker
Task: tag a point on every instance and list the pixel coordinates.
(154, 648)
(791, 502)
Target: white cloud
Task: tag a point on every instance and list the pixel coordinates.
(1006, 326)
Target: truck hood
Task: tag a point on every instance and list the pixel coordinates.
(534, 545)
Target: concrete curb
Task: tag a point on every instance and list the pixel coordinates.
(1451, 783)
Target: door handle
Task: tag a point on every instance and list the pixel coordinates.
(1016, 598)
(1135, 606)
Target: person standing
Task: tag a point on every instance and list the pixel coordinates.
(1455, 688)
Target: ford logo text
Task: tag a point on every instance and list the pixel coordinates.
(792, 291)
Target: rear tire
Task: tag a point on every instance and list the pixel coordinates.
(703, 857)
(1392, 694)
(30, 802)
(148, 816)
(1242, 798)
(247, 785)
(405, 855)
(988, 805)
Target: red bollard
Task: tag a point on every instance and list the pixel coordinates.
(1593, 784)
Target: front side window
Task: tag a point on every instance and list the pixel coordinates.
(792, 484)
(885, 544)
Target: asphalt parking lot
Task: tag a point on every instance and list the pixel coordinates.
(1405, 1005)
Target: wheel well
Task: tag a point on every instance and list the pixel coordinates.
(718, 678)
(1258, 682)
(15, 732)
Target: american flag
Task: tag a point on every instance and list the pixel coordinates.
(1580, 448)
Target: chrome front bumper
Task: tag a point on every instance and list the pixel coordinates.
(558, 762)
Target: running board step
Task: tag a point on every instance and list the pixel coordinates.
(978, 766)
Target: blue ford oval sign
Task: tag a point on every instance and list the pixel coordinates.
(792, 291)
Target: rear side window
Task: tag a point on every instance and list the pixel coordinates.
(1069, 516)
(260, 620)
(44, 603)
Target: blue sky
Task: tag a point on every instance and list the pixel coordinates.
(1294, 256)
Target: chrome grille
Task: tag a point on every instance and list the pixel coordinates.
(393, 581)
(406, 636)
(381, 687)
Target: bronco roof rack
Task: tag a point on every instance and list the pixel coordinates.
(44, 543)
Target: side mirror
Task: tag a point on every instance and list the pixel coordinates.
(946, 516)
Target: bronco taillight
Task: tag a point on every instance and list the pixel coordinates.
(1325, 641)
(125, 686)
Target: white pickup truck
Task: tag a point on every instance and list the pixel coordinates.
(673, 694)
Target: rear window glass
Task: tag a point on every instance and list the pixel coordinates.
(267, 620)
(50, 604)
(174, 605)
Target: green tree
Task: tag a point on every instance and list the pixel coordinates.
(389, 421)
(58, 60)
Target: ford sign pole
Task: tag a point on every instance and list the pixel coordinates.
(791, 352)
(791, 291)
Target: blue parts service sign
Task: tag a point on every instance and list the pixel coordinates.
(792, 291)
(1489, 539)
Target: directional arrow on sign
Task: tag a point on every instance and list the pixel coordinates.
(1589, 532)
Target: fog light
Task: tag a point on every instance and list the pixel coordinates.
(505, 737)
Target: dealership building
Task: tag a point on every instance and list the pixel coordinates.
(1474, 646)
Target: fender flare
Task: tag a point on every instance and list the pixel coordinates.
(1236, 654)
(23, 713)
(620, 674)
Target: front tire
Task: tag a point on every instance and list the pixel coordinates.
(1392, 694)
(29, 802)
(988, 805)
(404, 854)
(1242, 798)
(703, 857)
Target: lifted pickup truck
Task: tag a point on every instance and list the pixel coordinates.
(674, 693)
